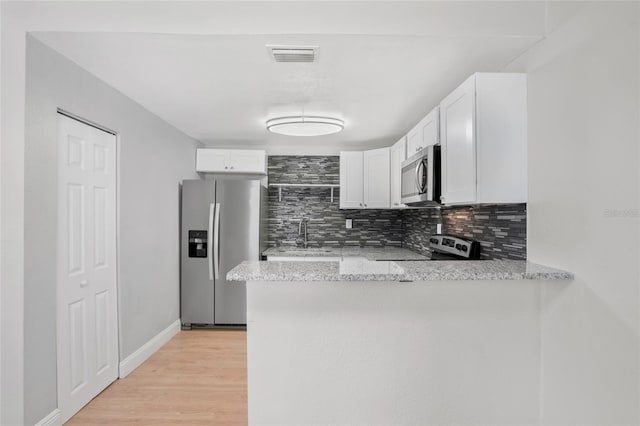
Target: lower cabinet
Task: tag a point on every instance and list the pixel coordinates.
(365, 179)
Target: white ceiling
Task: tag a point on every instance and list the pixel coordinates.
(220, 88)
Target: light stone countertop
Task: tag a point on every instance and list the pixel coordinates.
(367, 270)
(370, 253)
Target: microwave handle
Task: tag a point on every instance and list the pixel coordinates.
(419, 183)
(422, 186)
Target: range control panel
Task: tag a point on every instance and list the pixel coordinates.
(454, 245)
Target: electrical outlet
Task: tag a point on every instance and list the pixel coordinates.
(439, 228)
(349, 223)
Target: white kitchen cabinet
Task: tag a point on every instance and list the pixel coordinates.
(212, 160)
(425, 133)
(364, 179)
(397, 154)
(483, 129)
(351, 179)
(376, 179)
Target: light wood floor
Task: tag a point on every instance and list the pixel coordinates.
(197, 378)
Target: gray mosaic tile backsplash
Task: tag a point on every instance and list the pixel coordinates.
(326, 225)
(304, 169)
(501, 229)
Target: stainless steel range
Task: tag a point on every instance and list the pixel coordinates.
(449, 247)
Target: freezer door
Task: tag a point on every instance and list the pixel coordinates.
(196, 284)
(239, 239)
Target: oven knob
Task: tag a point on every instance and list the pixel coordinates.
(465, 248)
(459, 247)
(434, 240)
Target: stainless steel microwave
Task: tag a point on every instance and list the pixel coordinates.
(421, 177)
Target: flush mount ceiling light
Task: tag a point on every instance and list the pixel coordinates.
(305, 125)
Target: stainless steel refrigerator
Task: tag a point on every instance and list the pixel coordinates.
(221, 227)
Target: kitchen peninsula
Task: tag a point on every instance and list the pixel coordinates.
(360, 341)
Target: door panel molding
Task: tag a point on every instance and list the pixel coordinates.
(86, 283)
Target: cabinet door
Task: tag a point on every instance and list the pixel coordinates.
(414, 141)
(458, 140)
(425, 133)
(351, 180)
(211, 160)
(376, 179)
(397, 155)
(430, 127)
(246, 161)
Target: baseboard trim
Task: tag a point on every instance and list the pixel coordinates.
(134, 360)
(54, 418)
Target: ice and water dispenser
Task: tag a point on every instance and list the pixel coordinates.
(197, 243)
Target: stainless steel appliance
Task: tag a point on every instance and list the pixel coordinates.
(449, 247)
(420, 183)
(221, 227)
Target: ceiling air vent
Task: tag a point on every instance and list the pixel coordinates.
(293, 53)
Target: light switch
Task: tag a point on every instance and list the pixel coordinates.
(349, 223)
(439, 228)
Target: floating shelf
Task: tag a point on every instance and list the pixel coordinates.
(303, 185)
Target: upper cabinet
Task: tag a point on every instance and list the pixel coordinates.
(397, 154)
(364, 179)
(483, 134)
(376, 179)
(211, 160)
(351, 180)
(425, 133)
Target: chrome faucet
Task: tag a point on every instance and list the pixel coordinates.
(303, 221)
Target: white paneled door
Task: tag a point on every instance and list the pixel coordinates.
(86, 279)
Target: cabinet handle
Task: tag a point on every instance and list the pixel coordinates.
(365, 205)
(360, 204)
(231, 167)
(225, 167)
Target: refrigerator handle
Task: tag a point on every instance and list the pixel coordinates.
(216, 242)
(210, 241)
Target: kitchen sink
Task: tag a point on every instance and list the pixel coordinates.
(307, 250)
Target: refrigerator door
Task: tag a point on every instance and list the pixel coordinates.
(197, 285)
(239, 238)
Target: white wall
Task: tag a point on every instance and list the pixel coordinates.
(388, 353)
(153, 159)
(584, 169)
